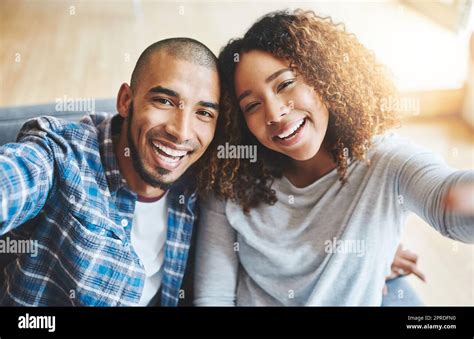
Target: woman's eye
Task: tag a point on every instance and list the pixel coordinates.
(249, 107)
(163, 101)
(285, 84)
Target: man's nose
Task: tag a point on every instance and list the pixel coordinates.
(275, 110)
(179, 126)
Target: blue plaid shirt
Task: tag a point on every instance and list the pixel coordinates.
(61, 183)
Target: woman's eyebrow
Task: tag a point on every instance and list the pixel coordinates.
(243, 95)
(277, 73)
(267, 80)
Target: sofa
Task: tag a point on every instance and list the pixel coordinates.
(12, 118)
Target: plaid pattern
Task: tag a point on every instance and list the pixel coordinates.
(61, 183)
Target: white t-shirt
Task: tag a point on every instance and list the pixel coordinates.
(148, 237)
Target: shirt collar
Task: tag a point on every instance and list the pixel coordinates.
(108, 129)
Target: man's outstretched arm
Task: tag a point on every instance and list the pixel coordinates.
(26, 177)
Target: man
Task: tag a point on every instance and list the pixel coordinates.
(108, 200)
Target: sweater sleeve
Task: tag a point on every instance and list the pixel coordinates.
(217, 262)
(424, 181)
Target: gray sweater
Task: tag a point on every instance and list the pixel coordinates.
(325, 244)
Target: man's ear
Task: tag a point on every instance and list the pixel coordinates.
(124, 98)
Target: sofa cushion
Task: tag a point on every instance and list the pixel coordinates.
(12, 118)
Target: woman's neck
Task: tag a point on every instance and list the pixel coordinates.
(304, 173)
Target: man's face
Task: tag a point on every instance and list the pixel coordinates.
(172, 118)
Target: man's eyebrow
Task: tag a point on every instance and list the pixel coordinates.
(277, 73)
(164, 90)
(171, 93)
(209, 104)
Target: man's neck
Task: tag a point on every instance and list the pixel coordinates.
(125, 163)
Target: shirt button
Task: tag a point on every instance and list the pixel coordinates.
(124, 222)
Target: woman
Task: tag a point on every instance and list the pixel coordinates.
(316, 220)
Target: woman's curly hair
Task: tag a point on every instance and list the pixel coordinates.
(346, 75)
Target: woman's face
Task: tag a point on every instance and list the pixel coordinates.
(283, 112)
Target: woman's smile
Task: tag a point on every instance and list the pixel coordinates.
(290, 134)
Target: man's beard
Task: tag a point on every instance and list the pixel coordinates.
(146, 176)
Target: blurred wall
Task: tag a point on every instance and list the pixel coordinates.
(52, 49)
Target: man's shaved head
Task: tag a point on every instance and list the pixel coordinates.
(182, 48)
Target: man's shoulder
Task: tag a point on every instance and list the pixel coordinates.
(62, 130)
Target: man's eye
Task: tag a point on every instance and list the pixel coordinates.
(250, 107)
(205, 114)
(285, 84)
(163, 101)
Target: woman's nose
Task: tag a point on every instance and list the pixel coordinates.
(275, 110)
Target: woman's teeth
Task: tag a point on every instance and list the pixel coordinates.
(291, 131)
(168, 154)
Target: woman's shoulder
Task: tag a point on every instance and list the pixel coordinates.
(392, 144)
(398, 152)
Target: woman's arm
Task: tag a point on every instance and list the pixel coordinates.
(461, 199)
(426, 186)
(217, 262)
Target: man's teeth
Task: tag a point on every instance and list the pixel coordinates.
(169, 151)
(291, 131)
